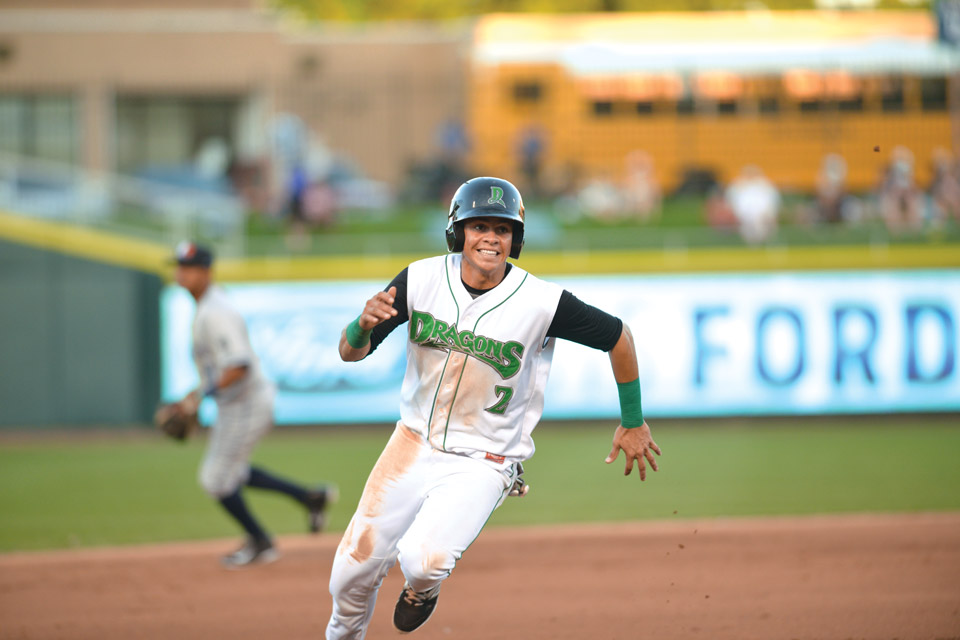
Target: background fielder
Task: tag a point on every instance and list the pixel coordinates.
(230, 373)
(480, 343)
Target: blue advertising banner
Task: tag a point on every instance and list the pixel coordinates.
(708, 345)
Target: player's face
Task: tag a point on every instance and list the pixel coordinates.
(486, 245)
(193, 279)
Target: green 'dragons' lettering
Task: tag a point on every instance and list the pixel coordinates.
(504, 357)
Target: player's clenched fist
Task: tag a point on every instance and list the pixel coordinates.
(355, 339)
(378, 309)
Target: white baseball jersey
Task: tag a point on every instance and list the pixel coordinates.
(245, 408)
(476, 368)
(220, 341)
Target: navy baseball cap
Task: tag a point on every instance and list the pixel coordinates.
(189, 254)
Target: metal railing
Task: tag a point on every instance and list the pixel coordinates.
(147, 209)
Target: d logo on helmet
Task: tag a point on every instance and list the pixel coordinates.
(496, 197)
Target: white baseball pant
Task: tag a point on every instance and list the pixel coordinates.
(419, 504)
(241, 423)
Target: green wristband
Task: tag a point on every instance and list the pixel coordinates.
(631, 413)
(357, 337)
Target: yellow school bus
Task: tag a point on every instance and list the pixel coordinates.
(712, 92)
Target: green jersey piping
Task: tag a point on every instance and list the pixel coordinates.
(433, 405)
(446, 426)
(477, 323)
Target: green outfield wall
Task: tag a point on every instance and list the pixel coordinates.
(79, 339)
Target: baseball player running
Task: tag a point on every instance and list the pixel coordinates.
(230, 373)
(479, 344)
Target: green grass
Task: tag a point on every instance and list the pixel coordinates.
(754, 467)
(123, 489)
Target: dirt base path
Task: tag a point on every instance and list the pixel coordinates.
(836, 577)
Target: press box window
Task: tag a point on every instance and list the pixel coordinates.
(155, 131)
(40, 126)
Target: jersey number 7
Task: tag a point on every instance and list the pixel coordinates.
(504, 394)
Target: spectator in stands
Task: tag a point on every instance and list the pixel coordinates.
(311, 201)
(755, 202)
(453, 142)
(834, 204)
(718, 211)
(641, 193)
(561, 184)
(945, 187)
(530, 148)
(901, 201)
(600, 198)
(831, 188)
(454, 146)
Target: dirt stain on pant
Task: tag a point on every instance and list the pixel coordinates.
(397, 458)
(364, 548)
(435, 563)
(347, 540)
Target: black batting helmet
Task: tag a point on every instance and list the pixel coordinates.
(482, 198)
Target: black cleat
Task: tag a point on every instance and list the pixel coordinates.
(414, 608)
(252, 552)
(317, 502)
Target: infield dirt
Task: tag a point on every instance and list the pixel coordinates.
(821, 577)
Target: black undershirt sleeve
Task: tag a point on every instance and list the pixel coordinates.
(574, 320)
(579, 322)
(383, 329)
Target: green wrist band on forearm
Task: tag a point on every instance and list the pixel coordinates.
(357, 337)
(631, 413)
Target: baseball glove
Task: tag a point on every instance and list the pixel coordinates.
(174, 422)
(519, 488)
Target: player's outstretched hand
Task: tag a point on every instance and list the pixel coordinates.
(378, 309)
(636, 444)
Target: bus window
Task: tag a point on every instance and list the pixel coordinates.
(891, 97)
(603, 108)
(727, 107)
(851, 103)
(527, 92)
(686, 106)
(769, 105)
(933, 94)
(643, 108)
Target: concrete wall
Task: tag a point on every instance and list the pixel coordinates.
(374, 93)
